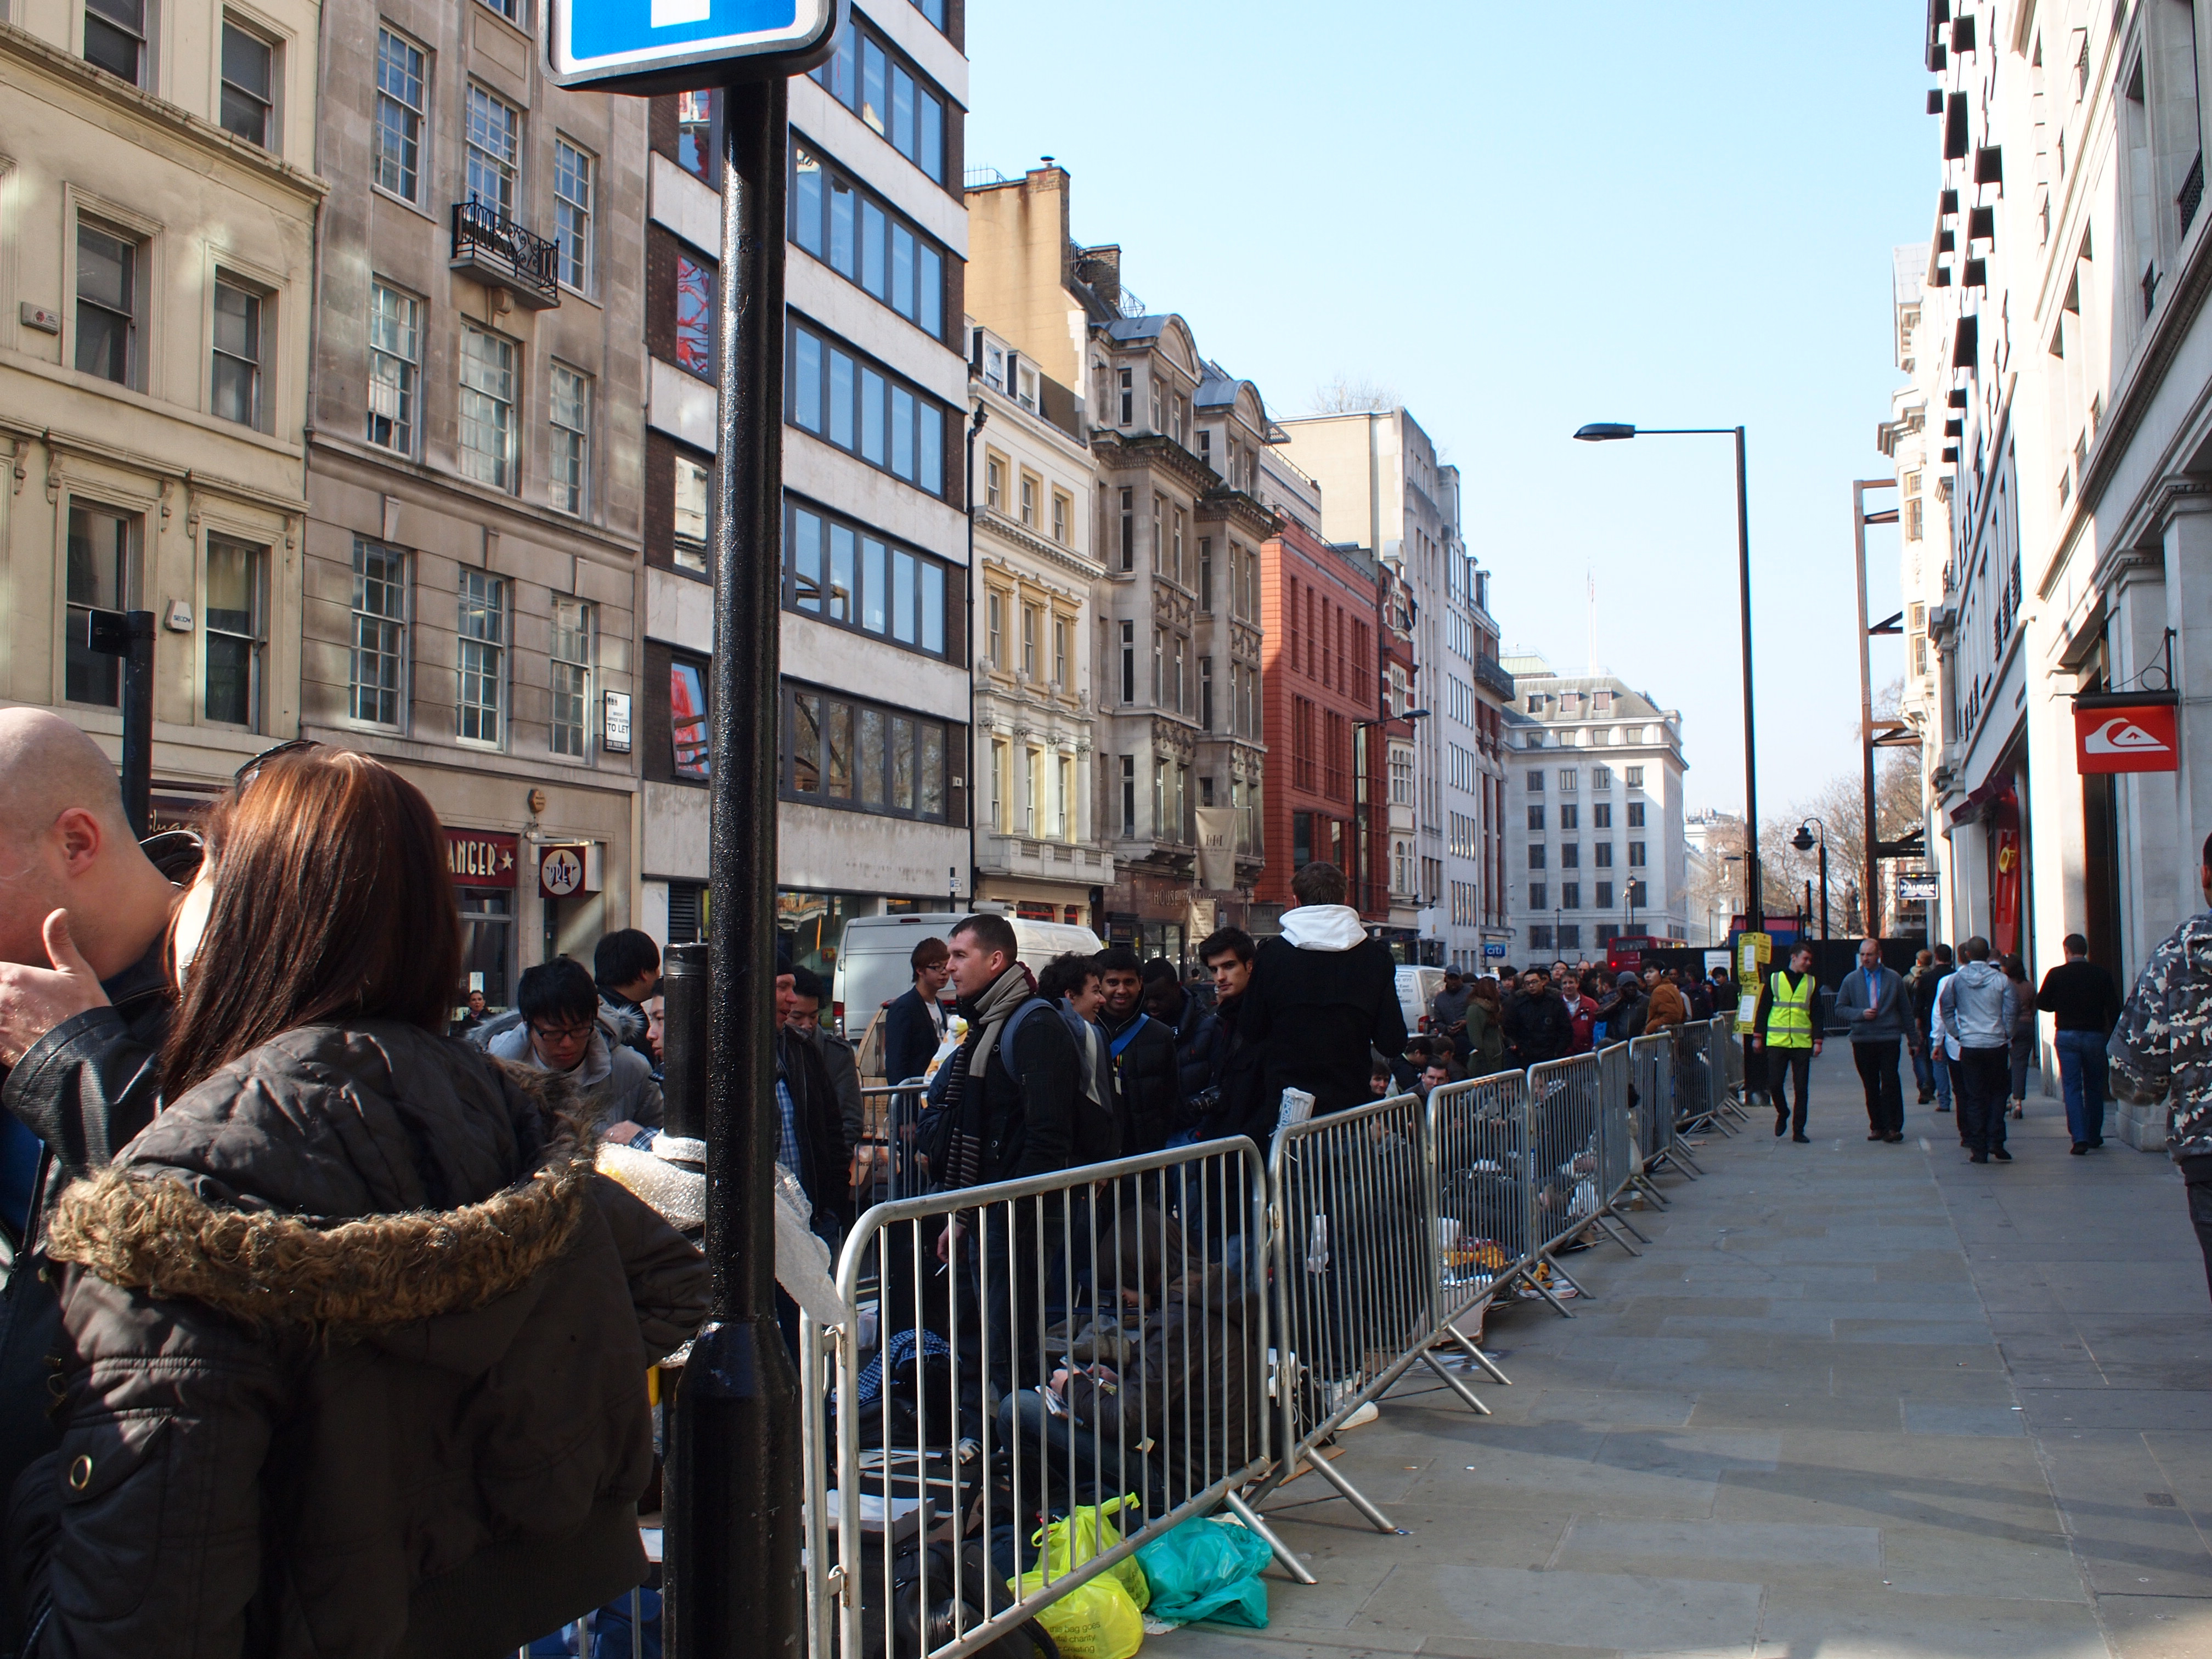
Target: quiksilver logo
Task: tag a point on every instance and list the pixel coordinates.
(2122, 736)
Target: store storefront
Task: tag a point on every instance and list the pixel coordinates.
(483, 865)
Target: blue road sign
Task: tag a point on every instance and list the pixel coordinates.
(647, 45)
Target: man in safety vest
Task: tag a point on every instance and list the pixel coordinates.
(1789, 1028)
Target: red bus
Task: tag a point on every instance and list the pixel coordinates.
(1627, 950)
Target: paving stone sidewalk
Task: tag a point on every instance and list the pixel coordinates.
(1855, 1402)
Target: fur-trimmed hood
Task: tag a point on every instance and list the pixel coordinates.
(253, 1196)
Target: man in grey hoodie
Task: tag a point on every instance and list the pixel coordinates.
(1872, 1002)
(1979, 1008)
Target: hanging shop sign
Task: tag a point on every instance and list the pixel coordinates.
(1916, 887)
(566, 872)
(2120, 733)
(480, 857)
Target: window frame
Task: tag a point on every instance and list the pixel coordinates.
(413, 127)
(861, 59)
(569, 469)
(505, 171)
(145, 32)
(129, 574)
(578, 693)
(573, 217)
(256, 638)
(409, 395)
(271, 139)
(509, 462)
(845, 247)
(887, 719)
(484, 658)
(931, 602)
(263, 303)
(139, 246)
(874, 393)
(401, 580)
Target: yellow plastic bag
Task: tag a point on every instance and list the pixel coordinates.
(1104, 1617)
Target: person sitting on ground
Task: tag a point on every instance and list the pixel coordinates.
(1537, 1027)
(560, 1031)
(626, 966)
(1406, 1070)
(1381, 1084)
(331, 1309)
(84, 1004)
(914, 1023)
(1323, 995)
(1147, 1072)
(1434, 1076)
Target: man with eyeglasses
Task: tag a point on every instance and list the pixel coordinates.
(560, 1031)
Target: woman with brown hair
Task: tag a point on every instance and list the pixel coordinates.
(358, 1339)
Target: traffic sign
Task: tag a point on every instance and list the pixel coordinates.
(646, 46)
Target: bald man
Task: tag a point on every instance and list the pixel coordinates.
(84, 1004)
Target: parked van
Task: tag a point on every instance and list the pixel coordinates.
(1417, 990)
(875, 959)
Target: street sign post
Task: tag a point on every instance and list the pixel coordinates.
(733, 1577)
(647, 46)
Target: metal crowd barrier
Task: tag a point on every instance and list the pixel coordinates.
(1357, 1301)
(885, 1165)
(1656, 1067)
(1012, 1350)
(1478, 1148)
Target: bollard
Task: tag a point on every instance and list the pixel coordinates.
(685, 989)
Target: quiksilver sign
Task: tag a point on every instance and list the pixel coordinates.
(2110, 737)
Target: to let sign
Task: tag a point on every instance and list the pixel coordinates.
(2126, 737)
(675, 46)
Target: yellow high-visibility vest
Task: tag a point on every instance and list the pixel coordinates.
(1789, 1021)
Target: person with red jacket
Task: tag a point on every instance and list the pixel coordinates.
(1582, 1017)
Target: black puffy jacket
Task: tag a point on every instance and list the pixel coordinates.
(1149, 1077)
(1197, 1036)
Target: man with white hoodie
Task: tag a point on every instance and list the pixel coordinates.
(1322, 996)
(1979, 1007)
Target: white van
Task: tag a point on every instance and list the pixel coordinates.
(875, 958)
(1417, 991)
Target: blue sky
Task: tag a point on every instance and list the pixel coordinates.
(1521, 218)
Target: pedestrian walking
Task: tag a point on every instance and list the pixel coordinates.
(1935, 1086)
(1980, 1010)
(560, 1030)
(317, 1306)
(1872, 1002)
(1323, 995)
(914, 1024)
(85, 1002)
(1538, 1027)
(2161, 1050)
(626, 966)
(1788, 1032)
(2084, 1004)
(1147, 1069)
(2022, 1048)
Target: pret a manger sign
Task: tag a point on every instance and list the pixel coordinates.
(2115, 736)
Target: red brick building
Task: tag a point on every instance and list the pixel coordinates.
(1319, 680)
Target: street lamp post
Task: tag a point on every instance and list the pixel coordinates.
(1614, 431)
(1802, 841)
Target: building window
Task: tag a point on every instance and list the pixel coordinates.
(480, 698)
(1129, 663)
(1537, 856)
(1635, 853)
(572, 213)
(103, 548)
(572, 437)
(689, 745)
(864, 76)
(1205, 573)
(495, 140)
(1602, 815)
(1128, 797)
(994, 483)
(1635, 776)
(399, 76)
(1205, 693)
(235, 370)
(696, 150)
(1570, 855)
(1571, 896)
(379, 632)
(1061, 628)
(1535, 783)
(866, 242)
(1571, 936)
(692, 477)
(1031, 617)
(394, 360)
(1569, 816)
(571, 675)
(1536, 818)
(234, 631)
(995, 629)
(694, 316)
(847, 574)
(1636, 815)
(1604, 896)
(1128, 521)
(115, 37)
(248, 86)
(861, 757)
(1601, 854)
(1601, 778)
(847, 400)
(1029, 512)
(1539, 898)
(1062, 508)
(1567, 781)
(109, 279)
(488, 407)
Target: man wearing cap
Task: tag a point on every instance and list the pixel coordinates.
(1787, 1029)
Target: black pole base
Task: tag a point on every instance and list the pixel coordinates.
(734, 1498)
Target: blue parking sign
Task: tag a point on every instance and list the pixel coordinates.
(659, 46)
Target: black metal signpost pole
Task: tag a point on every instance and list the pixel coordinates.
(735, 1532)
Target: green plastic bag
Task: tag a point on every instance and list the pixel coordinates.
(1207, 1569)
(1104, 1619)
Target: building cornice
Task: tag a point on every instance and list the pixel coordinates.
(462, 496)
(58, 444)
(1014, 533)
(29, 50)
(1118, 450)
(1239, 508)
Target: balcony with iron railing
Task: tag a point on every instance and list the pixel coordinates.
(494, 249)
(1492, 678)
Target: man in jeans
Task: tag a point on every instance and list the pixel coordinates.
(1871, 1001)
(2162, 1049)
(2082, 997)
(1979, 1008)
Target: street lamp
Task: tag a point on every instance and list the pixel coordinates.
(1802, 841)
(1599, 431)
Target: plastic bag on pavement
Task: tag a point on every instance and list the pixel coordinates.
(1104, 1617)
(1207, 1569)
